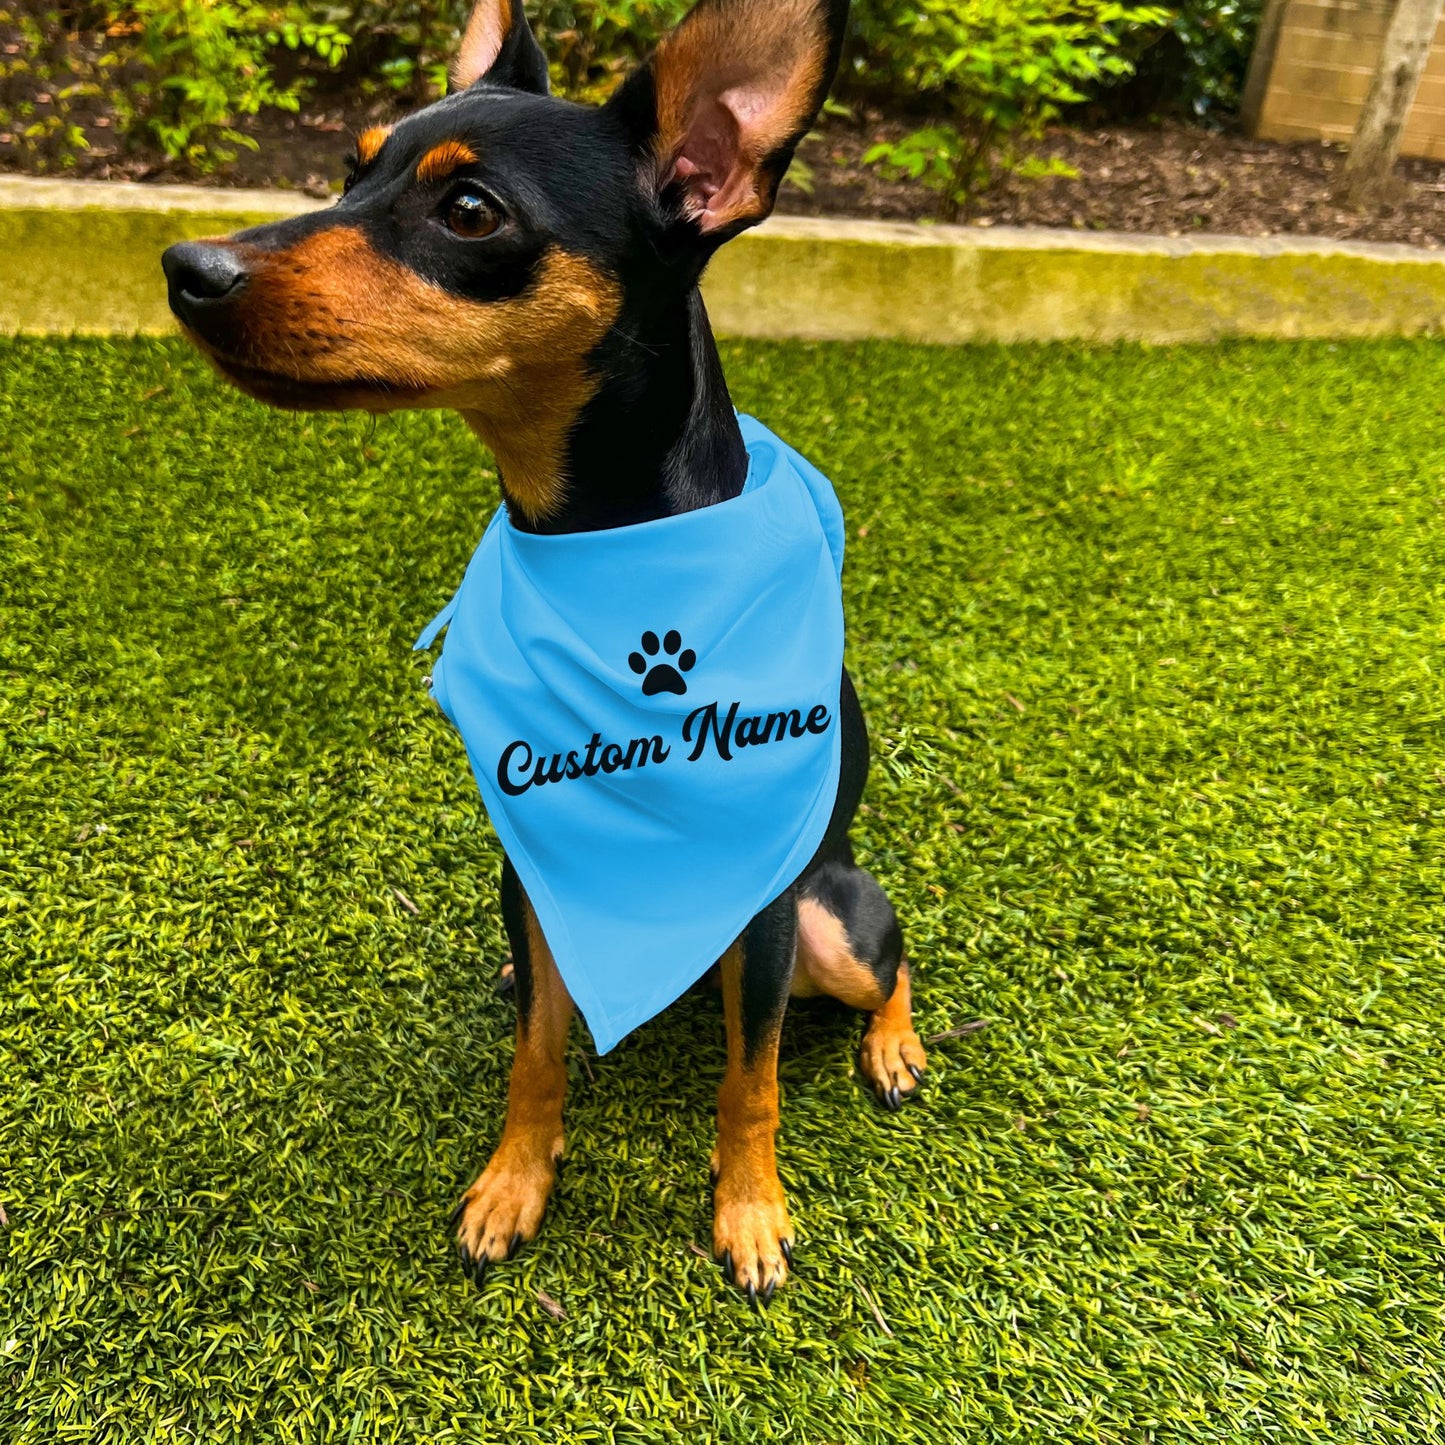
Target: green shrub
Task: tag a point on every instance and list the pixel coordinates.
(182, 74)
(46, 77)
(203, 64)
(178, 74)
(406, 45)
(997, 71)
(590, 44)
(1211, 44)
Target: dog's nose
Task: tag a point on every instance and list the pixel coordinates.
(202, 270)
(199, 274)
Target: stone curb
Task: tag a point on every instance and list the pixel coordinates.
(82, 257)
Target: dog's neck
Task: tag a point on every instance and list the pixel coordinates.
(657, 438)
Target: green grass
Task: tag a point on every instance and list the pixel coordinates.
(1150, 642)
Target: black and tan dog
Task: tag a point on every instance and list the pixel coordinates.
(534, 265)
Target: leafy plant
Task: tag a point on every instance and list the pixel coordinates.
(406, 44)
(998, 71)
(183, 75)
(45, 82)
(590, 44)
(177, 73)
(204, 63)
(1212, 41)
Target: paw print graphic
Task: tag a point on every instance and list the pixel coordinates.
(662, 675)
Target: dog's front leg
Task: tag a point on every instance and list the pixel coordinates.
(504, 1208)
(751, 1232)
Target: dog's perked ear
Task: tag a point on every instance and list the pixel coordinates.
(719, 108)
(498, 47)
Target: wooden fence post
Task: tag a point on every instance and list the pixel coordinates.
(1261, 64)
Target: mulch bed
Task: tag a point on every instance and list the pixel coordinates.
(1171, 179)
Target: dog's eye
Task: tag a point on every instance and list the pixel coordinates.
(471, 214)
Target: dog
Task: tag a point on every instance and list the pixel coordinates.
(534, 265)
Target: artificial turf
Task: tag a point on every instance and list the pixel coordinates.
(1150, 642)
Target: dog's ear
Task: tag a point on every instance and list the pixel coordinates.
(498, 47)
(718, 110)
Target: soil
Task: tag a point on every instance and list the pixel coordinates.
(1170, 178)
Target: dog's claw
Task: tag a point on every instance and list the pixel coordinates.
(767, 1294)
(893, 1099)
(514, 1246)
(786, 1245)
(916, 1072)
(727, 1267)
(456, 1213)
(752, 1295)
(473, 1269)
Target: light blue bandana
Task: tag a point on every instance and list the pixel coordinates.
(651, 713)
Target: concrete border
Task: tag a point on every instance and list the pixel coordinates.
(81, 258)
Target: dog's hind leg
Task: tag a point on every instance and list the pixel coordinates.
(503, 1208)
(752, 1235)
(850, 946)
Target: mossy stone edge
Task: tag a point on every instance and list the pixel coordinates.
(82, 258)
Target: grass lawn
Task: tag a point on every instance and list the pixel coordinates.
(1150, 642)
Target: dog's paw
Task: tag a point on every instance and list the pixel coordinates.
(502, 1210)
(892, 1061)
(753, 1239)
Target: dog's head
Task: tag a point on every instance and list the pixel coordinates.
(486, 245)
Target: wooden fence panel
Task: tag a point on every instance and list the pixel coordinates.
(1324, 58)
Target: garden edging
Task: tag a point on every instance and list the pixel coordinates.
(82, 257)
